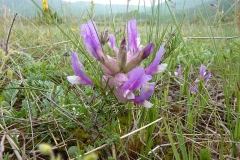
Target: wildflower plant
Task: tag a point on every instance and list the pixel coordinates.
(123, 72)
(203, 77)
(47, 13)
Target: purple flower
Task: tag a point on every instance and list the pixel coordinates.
(135, 53)
(122, 71)
(194, 89)
(112, 41)
(132, 36)
(80, 76)
(202, 74)
(137, 78)
(91, 40)
(202, 71)
(154, 67)
(178, 73)
(146, 92)
(136, 61)
(116, 81)
(207, 77)
(146, 51)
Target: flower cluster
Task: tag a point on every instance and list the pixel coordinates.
(123, 72)
(202, 75)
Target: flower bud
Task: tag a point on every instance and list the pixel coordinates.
(45, 5)
(92, 156)
(45, 148)
(122, 54)
(133, 63)
(146, 51)
(104, 37)
(110, 64)
(9, 74)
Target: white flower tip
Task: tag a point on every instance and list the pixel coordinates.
(73, 79)
(146, 104)
(130, 96)
(160, 68)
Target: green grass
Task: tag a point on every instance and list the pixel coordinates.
(38, 104)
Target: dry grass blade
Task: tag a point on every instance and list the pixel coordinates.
(14, 147)
(126, 135)
(219, 38)
(2, 147)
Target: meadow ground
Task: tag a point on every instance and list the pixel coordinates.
(39, 105)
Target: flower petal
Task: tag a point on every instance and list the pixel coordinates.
(73, 79)
(78, 80)
(153, 68)
(77, 68)
(194, 89)
(178, 73)
(202, 71)
(90, 29)
(93, 48)
(128, 94)
(132, 36)
(91, 40)
(119, 79)
(146, 104)
(110, 65)
(160, 68)
(147, 50)
(121, 96)
(116, 81)
(112, 42)
(76, 64)
(136, 79)
(207, 77)
(146, 92)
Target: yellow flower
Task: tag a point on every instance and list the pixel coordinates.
(45, 5)
(73, 29)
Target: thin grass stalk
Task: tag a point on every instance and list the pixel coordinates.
(181, 139)
(237, 14)
(175, 152)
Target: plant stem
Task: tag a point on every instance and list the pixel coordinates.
(9, 33)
